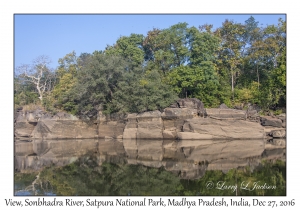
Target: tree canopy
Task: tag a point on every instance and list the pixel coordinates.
(235, 64)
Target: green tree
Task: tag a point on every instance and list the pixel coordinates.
(168, 48)
(129, 48)
(97, 83)
(274, 88)
(67, 78)
(199, 81)
(203, 45)
(83, 60)
(198, 78)
(251, 51)
(140, 92)
(275, 41)
(230, 52)
(269, 53)
(24, 92)
(251, 34)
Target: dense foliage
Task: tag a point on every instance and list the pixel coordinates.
(235, 64)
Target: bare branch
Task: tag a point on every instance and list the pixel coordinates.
(38, 73)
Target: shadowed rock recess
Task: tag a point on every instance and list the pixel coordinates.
(185, 138)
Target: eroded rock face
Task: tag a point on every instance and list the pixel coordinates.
(25, 123)
(41, 125)
(173, 120)
(192, 103)
(220, 129)
(186, 139)
(53, 129)
(23, 129)
(179, 113)
(111, 125)
(149, 125)
(172, 123)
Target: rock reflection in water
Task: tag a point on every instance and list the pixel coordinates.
(187, 158)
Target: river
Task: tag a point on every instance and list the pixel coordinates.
(187, 159)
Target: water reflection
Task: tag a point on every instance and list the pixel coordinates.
(188, 158)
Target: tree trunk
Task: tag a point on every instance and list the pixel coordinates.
(257, 76)
(232, 87)
(40, 93)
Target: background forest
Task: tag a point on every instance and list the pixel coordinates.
(235, 64)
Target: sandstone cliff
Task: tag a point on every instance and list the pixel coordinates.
(188, 119)
(185, 138)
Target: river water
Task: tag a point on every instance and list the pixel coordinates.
(190, 159)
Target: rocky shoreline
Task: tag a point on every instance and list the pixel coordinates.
(185, 138)
(187, 119)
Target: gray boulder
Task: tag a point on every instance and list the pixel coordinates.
(278, 133)
(252, 114)
(223, 106)
(192, 103)
(270, 121)
(173, 118)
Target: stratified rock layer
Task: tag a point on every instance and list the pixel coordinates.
(185, 138)
(219, 129)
